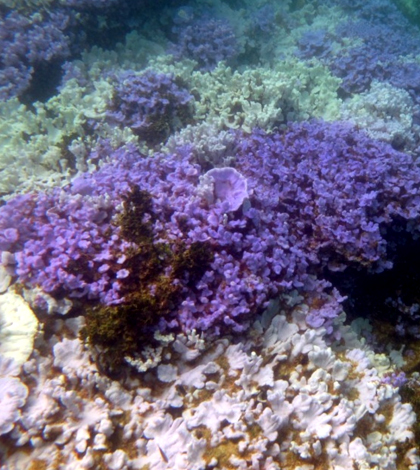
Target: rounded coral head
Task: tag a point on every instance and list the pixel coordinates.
(225, 185)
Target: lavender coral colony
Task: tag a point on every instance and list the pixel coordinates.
(152, 104)
(29, 43)
(179, 290)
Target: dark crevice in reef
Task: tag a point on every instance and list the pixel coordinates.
(111, 26)
(45, 81)
(388, 299)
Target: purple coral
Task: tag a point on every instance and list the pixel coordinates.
(396, 379)
(205, 39)
(378, 11)
(320, 196)
(379, 57)
(225, 185)
(28, 43)
(358, 67)
(386, 36)
(314, 44)
(407, 76)
(337, 185)
(263, 19)
(65, 245)
(152, 104)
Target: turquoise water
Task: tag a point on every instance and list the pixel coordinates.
(209, 235)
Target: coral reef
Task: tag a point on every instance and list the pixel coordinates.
(205, 39)
(29, 44)
(209, 235)
(265, 98)
(410, 8)
(226, 185)
(384, 112)
(13, 394)
(152, 104)
(210, 146)
(314, 44)
(120, 228)
(322, 175)
(18, 328)
(278, 397)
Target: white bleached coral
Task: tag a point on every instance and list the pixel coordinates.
(281, 397)
(13, 394)
(18, 327)
(12, 397)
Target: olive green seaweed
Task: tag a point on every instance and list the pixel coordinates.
(149, 291)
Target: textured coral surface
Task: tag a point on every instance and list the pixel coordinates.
(209, 235)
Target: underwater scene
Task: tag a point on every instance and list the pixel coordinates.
(209, 235)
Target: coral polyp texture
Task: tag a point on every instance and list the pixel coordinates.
(205, 39)
(29, 43)
(209, 235)
(152, 104)
(325, 197)
(279, 397)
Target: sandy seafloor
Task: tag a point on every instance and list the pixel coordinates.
(209, 235)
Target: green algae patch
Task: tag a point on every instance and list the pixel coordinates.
(192, 261)
(137, 203)
(155, 285)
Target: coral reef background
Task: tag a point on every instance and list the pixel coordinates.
(209, 235)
